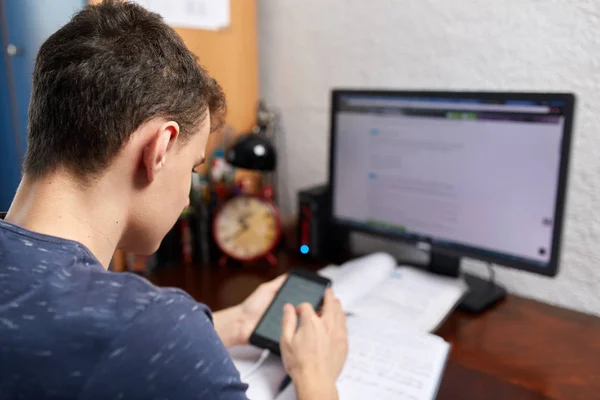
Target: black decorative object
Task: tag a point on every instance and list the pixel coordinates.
(252, 151)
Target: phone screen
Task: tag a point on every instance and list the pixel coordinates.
(295, 290)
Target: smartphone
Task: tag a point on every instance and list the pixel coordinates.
(301, 286)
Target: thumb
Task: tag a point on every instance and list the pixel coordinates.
(288, 323)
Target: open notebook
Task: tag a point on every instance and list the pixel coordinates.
(374, 286)
(391, 311)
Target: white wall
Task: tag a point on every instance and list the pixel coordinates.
(309, 46)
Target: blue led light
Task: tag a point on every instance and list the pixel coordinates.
(304, 249)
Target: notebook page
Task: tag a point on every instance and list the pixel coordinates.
(386, 361)
(354, 279)
(412, 297)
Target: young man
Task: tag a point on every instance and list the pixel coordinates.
(119, 117)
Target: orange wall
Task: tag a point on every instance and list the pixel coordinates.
(230, 56)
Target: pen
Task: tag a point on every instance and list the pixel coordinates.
(286, 381)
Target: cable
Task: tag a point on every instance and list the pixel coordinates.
(263, 356)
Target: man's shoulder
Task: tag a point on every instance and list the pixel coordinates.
(66, 277)
(60, 307)
(130, 296)
(170, 345)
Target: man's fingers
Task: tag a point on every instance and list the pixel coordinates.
(328, 297)
(289, 322)
(276, 283)
(306, 312)
(331, 305)
(279, 280)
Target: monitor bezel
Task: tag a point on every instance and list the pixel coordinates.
(457, 249)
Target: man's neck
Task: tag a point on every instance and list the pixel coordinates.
(58, 205)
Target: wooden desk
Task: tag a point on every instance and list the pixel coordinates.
(522, 349)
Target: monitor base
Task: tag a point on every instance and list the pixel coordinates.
(482, 293)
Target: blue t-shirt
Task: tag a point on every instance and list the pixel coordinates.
(70, 329)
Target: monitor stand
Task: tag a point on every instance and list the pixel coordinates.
(482, 293)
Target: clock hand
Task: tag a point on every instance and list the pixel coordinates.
(243, 218)
(236, 234)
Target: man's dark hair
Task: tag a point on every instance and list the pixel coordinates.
(109, 70)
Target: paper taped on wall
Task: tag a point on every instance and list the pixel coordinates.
(195, 14)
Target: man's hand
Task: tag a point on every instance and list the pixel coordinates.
(234, 325)
(256, 304)
(314, 352)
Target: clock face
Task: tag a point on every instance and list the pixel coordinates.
(247, 227)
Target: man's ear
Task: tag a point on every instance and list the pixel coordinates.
(161, 138)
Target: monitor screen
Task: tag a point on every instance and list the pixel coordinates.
(475, 175)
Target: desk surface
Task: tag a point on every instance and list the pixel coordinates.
(522, 349)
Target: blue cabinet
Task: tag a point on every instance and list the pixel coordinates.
(25, 24)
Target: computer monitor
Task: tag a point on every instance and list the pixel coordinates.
(478, 175)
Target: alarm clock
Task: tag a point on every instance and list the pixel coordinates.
(247, 228)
